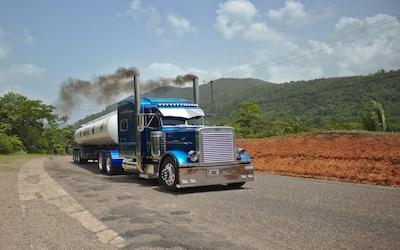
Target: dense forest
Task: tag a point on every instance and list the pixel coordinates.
(254, 107)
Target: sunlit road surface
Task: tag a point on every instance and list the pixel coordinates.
(274, 212)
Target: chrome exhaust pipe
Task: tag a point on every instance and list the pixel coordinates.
(136, 86)
(196, 97)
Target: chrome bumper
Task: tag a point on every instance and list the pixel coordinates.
(195, 176)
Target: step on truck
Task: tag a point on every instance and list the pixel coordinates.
(163, 139)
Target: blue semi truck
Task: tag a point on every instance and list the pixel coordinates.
(163, 139)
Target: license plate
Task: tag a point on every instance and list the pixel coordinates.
(213, 171)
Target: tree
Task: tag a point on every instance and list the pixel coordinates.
(376, 119)
(28, 124)
(247, 120)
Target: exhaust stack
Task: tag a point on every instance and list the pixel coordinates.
(196, 97)
(136, 84)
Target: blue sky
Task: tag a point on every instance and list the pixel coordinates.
(42, 43)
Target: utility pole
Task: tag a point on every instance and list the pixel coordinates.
(212, 101)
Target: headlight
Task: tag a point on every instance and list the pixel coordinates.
(193, 156)
(239, 152)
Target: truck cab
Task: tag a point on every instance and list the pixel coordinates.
(177, 148)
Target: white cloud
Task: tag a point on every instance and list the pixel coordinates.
(371, 43)
(238, 18)
(292, 14)
(180, 24)
(346, 22)
(156, 70)
(135, 5)
(158, 23)
(15, 73)
(150, 15)
(28, 38)
(19, 73)
(234, 16)
(377, 47)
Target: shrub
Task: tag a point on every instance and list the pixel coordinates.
(10, 144)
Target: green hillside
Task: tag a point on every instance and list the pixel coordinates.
(320, 102)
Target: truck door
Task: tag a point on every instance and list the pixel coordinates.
(126, 129)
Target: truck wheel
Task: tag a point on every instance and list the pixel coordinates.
(236, 185)
(169, 176)
(101, 164)
(110, 169)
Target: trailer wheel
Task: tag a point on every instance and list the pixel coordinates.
(169, 176)
(101, 163)
(110, 169)
(236, 185)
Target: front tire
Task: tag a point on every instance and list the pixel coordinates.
(169, 175)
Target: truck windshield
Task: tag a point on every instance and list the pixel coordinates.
(179, 121)
(195, 121)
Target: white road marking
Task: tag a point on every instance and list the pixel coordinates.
(34, 183)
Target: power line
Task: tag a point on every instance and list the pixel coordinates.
(313, 49)
(304, 54)
(329, 41)
(343, 37)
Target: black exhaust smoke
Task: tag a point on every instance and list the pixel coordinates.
(105, 89)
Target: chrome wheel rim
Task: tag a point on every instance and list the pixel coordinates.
(101, 162)
(108, 164)
(168, 174)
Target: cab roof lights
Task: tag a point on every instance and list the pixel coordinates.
(177, 105)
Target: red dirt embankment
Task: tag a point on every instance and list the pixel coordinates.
(355, 157)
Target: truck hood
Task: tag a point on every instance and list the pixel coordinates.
(181, 138)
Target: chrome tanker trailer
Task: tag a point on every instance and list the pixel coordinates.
(164, 139)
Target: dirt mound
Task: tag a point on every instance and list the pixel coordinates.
(356, 157)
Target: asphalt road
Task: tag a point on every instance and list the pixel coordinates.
(274, 212)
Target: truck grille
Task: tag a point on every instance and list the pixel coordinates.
(217, 147)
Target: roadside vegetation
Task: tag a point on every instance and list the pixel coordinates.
(29, 126)
(249, 122)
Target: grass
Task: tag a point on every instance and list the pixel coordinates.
(11, 158)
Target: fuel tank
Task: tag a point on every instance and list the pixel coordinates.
(102, 131)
